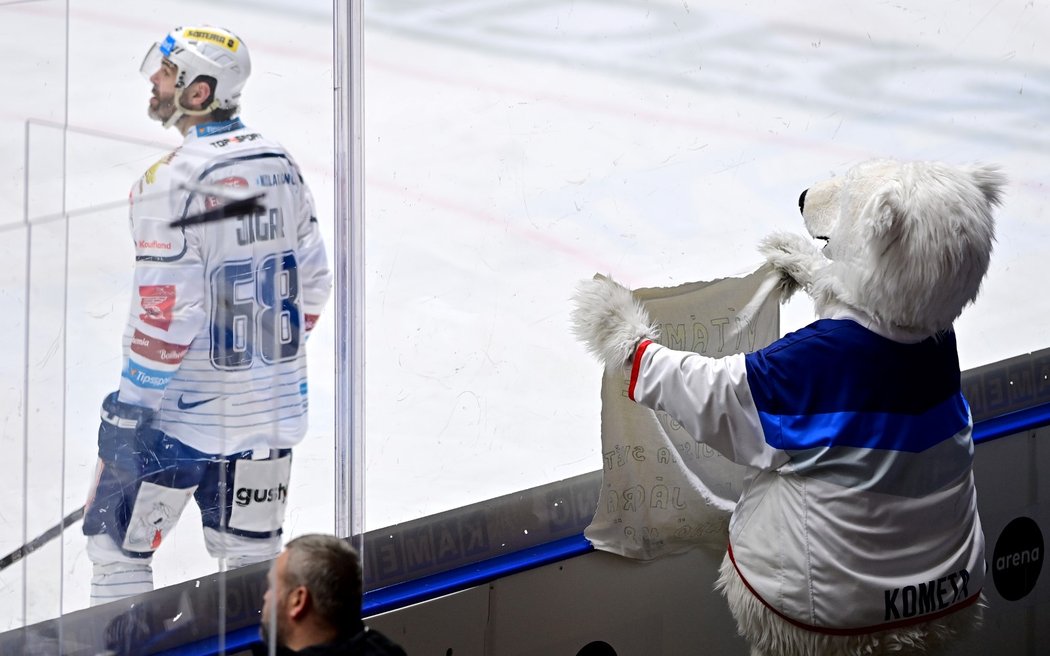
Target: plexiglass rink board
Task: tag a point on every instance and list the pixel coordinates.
(71, 183)
(512, 148)
(33, 360)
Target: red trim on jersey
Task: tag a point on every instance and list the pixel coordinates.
(311, 321)
(888, 626)
(157, 350)
(644, 344)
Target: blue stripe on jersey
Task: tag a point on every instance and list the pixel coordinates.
(145, 377)
(837, 365)
(835, 383)
(868, 430)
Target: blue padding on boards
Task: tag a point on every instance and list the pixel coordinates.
(419, 590)
(1012, 422)
(235, 640)
(429, 587)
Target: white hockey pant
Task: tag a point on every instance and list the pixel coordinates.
(116, 575)
(239, 551)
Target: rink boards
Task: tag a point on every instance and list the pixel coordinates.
(513, 575)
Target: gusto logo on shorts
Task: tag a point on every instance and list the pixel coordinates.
(247, 495)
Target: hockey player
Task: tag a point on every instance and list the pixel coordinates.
(213, 392)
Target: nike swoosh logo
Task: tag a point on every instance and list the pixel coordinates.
(183, 405)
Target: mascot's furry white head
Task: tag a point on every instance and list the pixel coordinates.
(908, 243)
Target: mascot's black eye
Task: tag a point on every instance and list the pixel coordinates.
(802, 200)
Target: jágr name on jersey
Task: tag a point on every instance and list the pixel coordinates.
(262, 225)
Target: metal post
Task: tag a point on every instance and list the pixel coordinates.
(349, 258)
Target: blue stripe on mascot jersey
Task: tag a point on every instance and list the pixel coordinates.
(835, 383)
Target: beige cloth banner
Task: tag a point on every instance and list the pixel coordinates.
(662, 491)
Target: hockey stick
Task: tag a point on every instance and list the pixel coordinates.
(238, 202)
(42, 539)
(227, 211)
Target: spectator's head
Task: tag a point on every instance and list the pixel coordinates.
(314, 592)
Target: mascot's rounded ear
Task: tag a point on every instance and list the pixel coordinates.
(990, 180)
(885, 209)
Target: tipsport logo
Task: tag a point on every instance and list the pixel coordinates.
(146, 377)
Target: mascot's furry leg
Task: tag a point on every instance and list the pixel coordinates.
(770, 635)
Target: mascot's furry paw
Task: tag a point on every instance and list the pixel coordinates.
(795, 257)
(610, 321)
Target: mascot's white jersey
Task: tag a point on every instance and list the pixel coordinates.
(220, 310)
(861, 513)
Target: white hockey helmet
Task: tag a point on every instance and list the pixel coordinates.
(203, 50)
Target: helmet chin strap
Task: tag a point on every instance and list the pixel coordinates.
(181, 111)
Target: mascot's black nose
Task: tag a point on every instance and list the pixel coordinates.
(802, 201)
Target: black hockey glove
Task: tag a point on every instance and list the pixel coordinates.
(119, 433)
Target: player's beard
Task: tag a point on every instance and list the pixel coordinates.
(161, 108)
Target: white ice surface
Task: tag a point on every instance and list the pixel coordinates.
(512, 148)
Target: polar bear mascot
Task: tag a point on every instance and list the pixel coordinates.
(857, 530)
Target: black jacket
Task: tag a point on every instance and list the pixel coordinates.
(366, 642)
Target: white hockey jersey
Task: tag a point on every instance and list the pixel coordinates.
(220, 310)
(861, 512)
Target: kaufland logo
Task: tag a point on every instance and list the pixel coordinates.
(154, 244)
